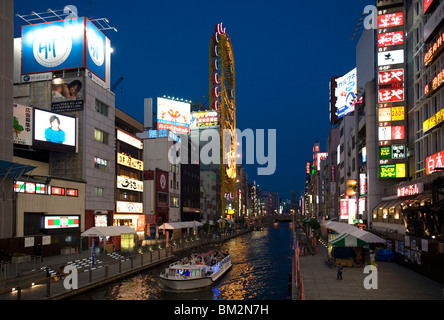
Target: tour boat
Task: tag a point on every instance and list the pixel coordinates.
(196, 271)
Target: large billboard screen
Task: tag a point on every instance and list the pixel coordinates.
(95, 43)
(54, 131)
(61, 45)
(52, 46)
(173, 115)
(346, 91)
(67, 94)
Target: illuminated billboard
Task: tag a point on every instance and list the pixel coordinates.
(434, 162)
(390, 57)
(389, 20)
(173, 115)
(62, 222)
(392, 171)
(204, 119)
(52, 46)
(346, 91)
(95, 46)
(390, 39)
(67, 94)
(54, 131)
(61, 45)
(22, 125)
(390, 95)
(391, 76)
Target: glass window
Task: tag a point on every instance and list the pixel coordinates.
(102, 108)
(100, 136)
(101, 164)
(98, 192)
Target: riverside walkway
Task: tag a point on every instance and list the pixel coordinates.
(394, 282)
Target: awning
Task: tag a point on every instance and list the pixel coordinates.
(13, 170)
(180, 225)
(111, 231)
(347, 240)
(363, 235)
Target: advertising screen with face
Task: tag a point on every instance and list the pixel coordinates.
(54, 131)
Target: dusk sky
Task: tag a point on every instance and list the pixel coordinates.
(285, 53)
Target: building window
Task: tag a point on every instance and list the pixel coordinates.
(102, 108)
(101, 164)
(101, 136)
(98, 192)
(174, 201)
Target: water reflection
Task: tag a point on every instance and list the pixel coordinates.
(261, 261)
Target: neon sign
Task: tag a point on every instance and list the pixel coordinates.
(390, 39)
(410, 190)
(435, 84)
(434, 161)
(390, 20)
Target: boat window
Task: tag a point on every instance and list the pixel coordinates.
(196, 273)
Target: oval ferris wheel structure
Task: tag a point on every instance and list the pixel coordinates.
(223, 100)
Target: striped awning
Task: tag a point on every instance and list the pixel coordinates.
(348, 240)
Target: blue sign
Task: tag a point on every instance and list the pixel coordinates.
(95, 56)
(53, 46)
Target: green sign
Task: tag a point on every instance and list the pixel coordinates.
(387, 171)
(385, 152)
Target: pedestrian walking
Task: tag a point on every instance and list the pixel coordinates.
(372, 258)
(340, 268)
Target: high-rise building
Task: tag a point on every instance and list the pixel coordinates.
(6, 101)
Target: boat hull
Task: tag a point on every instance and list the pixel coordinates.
(194, 283)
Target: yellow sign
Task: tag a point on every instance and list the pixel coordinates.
(400, 170)
(398, 113)
(128, 161)
(433, 121)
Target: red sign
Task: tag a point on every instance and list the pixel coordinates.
(148, 175)
(72, 192)
(344, 208)
(410, 190)
(398, 133)
(390, 39)
(57, 191)
(162, 180)
(427, 4)
(391, 76)
(434, 161)
(333, 173)
(391, 95)
(391, 20)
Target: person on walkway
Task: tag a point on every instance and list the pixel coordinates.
(372, 258)
(340, 268)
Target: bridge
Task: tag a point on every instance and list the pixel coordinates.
(283, 217)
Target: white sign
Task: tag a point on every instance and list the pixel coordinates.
(129, 207)
(390, 57)
(129, 184)
(346, 91)
(44, 76)
(122, 136)
(173, 115)
(22, 125)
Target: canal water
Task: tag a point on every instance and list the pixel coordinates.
(261, 264)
